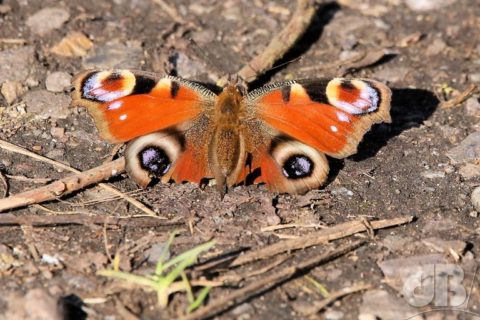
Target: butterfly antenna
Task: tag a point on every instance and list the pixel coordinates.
(274, 67)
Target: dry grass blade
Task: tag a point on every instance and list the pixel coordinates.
(99, 173)
(270, 281)
(322, 236)
(334, 296)
(84, 219)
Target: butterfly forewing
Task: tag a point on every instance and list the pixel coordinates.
(127, 104)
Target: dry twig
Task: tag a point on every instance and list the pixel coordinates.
(63, 186)
(322, 236)
(281, 43)
(98, 173)
(270, 281)
(320, 305)
(35, 220)
(460, 98)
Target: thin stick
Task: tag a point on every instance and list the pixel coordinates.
(320, 305)
(293, 225)
(5, 184)
(270, 281)
(9, 219)
(63, 186)
(460, 98)
(322, 236)
(281, 43)
(119, 167)
(13, 41)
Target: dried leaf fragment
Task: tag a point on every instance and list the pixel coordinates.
(75, 44)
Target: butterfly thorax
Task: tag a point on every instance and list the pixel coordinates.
(227, 146)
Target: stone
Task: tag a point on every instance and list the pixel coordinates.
(385, 306)
(467, 151)
(11, 90)
(476, 198)
(342, 191)
(472, 107)
(16, 64)
(428, 5)
(155, 253)
(431, 174)
(436, 47)
(111, 56)
(36, 304)
(58, 81)
(45, 104)
(398, 271)
(46, 20)
(187, 67)
(474, 77)
(470, 171)
(58, 132)
(445, 246)
(392, 75)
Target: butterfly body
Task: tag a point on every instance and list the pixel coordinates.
(278, 134)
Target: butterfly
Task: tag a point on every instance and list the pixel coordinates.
(278, 134)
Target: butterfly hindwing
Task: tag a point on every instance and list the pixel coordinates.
(318, 117)
(127, 104)
(166, 155)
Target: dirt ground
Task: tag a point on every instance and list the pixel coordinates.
(419, 165)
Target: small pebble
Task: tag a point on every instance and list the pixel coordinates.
(342, 191)
(428, 5)
(156, 251)
(470, 171)
(11, 90)
(436, 47)
(46, 20)
(16, 64)
(467, 151)
(472, 107)
(333, 315)
(58, 132)
(476, 198)
(430, 174)
(58, 81)
(475, 77)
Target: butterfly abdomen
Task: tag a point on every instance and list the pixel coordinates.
(227, 145)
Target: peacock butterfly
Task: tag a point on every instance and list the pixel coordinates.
(278, 134)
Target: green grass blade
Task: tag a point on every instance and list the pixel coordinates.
(185, 260)
(202, 295)
(163, 256)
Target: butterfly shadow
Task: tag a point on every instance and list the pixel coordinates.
(409, 109)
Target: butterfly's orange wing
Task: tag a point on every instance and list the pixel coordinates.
(307, 119)
(127, 104)
(158, 113)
